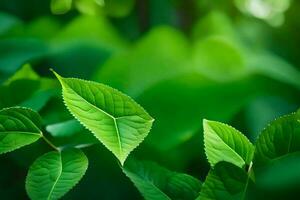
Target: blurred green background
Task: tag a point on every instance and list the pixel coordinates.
(182, 60)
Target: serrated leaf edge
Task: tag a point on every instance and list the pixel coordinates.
(205, 148)
(122, 161)
(26, 180)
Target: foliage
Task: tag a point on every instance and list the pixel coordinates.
(194, 66)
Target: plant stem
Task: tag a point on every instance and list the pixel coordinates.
(50, 143)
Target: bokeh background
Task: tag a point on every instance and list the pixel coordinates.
(182, 60)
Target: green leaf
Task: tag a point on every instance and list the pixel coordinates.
(90, 30)
(20, 51)
(274, 67)
(8, 23)
(214, 23)
(71, 133)
(52, 175)
(33, 91)
(60, 6)
(66, 128)
(118, 8)
(145, 65)
(217, 55)
(157, 183)
(26, 72)
(202, 99)
(18, 127)
(225, 143)
(278, 139)
(271, 176)
(115, 119)
(225, 181)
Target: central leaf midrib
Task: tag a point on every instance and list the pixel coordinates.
(238, 155)
(56, 181)
(109, 115)
(24, 117)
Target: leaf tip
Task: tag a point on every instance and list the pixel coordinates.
(59, 77)
(206, 122)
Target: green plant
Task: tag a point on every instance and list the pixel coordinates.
(239, 169)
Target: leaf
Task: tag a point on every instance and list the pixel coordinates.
(18, 127)
(92, 30)
(63, 129)
(214, 23)
(114, 118)
(217, 55)
(140, 68)
(44, 27)
(262, 110)
(225, 181)
(39, 99)
(278, 179)
(157, 183)
(274, 67)
(71, 133)
(60, 6)
(202, 99)
(25, 72)
(15, 52)
(33, 91)
(281, 173)
(118, 8)
(279, 138)
(224, 143)
(85, 38)
(8, 23)
(52, 175)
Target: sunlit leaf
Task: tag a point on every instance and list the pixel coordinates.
(225, 143)
(114, 118)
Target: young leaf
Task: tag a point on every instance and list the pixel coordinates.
(278, 139)
(18, 127)
(52, 175)
(224, 143)
(115, 119)
(157, 183)
(225, 181)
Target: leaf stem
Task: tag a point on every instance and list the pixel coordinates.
(50, 143)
